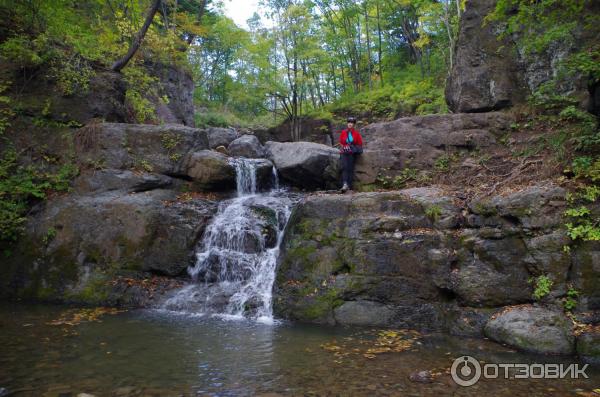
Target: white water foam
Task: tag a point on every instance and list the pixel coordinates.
(236, 260)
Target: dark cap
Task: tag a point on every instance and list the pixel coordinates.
(352, 120)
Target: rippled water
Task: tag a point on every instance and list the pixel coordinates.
(149, 353)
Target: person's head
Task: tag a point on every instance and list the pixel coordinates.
(351, 122)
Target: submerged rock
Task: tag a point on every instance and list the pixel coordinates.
(534, 329)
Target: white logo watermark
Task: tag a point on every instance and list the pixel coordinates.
(466, 371)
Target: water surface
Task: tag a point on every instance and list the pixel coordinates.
(153, 353)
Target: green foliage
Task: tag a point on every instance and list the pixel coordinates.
(542, 25)
(72, 75)
(21, 185)
(541, 286)
(399, 181)
(141, 87)
(6, 112)
(570, 301)
(211, 119)
(49, 236)
(433, 212)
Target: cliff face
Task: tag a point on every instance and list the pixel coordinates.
(36, 93)
(491, 73)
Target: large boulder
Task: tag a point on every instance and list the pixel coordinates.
(76, 245)
(246, 146)
(418, 142)
(346, 258)
(218, 136)
(490, 73)
(305, 165)
(485, 75)
(311, 130)
(150, 148)
(177, 85)
(110, 179)
(210, 170)
(534, 329)
(588, 345)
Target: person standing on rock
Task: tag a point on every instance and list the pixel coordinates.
(351, 146)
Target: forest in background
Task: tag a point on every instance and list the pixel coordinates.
(323, 58)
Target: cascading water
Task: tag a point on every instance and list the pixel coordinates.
(236, 259)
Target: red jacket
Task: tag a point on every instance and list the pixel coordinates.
(344, 137)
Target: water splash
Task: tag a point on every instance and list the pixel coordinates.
(236, 259)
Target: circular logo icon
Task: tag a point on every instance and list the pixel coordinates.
(465, 371)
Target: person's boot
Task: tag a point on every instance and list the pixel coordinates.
(344, 187)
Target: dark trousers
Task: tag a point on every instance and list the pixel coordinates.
(348, 160)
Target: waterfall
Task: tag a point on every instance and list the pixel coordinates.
(236, 259)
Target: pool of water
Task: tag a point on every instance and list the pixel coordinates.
(56, 351)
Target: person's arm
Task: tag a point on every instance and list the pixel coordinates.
(358, 139)
(343, 138)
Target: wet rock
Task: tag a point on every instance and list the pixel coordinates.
(491, 272)
(76, 244)
(588, 345)
(305, 165)
(218, 136)
(531, 328)
(421, 376)
(210, 170)
(343, 257)
(363, 313)
(246, 146)
(586, 274)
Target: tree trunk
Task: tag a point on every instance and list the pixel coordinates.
(370, 72)
(379, 50)
(137, 40)
(200, 14)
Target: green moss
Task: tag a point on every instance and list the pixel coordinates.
(95, 291)
(321, 306)
(485, 209)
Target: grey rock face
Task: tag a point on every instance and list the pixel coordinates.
(485, 75)
(363, 313)
(448, 269)
(210, 170)
(111, 179)
(246, 146)
(306, 165)
(534, 329)
(80, 243)
(492, 74)
(417, 142)
(588, 346)
(150, 148)
(178, 86)
(218, 136)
